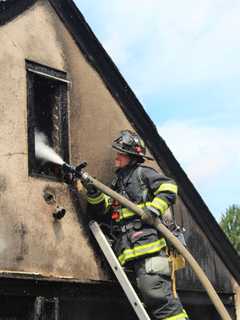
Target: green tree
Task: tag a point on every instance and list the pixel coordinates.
(230, 223)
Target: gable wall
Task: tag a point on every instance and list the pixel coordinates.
(204, 253)
(30, 240)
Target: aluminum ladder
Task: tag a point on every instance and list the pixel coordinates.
(118, 271)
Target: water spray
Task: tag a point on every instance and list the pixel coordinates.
(45, 152)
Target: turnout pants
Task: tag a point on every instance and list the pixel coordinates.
(156, 292)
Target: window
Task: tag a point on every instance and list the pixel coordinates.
(47, 114)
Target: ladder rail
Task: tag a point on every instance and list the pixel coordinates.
(118, 271)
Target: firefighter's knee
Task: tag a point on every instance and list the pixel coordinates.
(155, 289)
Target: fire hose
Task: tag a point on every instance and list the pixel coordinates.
(156, 222)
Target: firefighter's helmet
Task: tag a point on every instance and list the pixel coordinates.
(130, 143)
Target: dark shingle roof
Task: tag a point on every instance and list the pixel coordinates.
(9, 9)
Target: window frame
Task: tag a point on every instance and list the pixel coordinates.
(33, 70)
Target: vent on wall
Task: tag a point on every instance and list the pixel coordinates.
(47, 90)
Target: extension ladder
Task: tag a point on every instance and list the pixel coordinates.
(118, 271)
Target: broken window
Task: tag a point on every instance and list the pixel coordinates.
(47, 117)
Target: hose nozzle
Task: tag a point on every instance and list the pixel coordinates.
(67, 168)
(72, 172)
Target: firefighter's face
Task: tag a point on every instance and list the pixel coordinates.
(121, 160)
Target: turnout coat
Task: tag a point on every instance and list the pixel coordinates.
(149, 190)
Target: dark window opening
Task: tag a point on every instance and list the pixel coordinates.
(47, 116)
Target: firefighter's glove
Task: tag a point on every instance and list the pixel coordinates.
(69, 178)
(167, 220)
(150, 215)
(68, 174)
(91, 189)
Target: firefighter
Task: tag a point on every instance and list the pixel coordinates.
(139, 246)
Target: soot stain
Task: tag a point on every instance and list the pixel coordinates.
(49, 195)
(21, 230)
(3, 183)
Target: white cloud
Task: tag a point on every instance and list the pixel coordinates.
(205, 153)
(210, 156)
(175, 42)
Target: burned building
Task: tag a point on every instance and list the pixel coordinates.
(57, 79)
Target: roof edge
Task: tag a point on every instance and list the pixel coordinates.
(10, 9)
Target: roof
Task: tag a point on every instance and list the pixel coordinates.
(102, 63)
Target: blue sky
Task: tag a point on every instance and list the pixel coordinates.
(182, 60)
